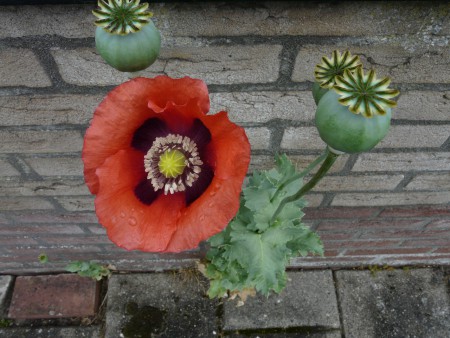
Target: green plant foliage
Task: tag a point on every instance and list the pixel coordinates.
(253, 251)
(89, 269)
(43, 258)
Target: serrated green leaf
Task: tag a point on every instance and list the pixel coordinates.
(253, 251)
(74, 266)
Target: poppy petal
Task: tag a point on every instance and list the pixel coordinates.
(213, 210)
(147, 133)
(130, 223)
(128, 106)
(199, 134)
(179, 92)
(145, 193)
(200, 185)
(229, 146)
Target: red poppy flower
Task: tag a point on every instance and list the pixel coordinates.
(166, 175)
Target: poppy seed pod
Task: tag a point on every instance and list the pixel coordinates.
(345, 131)
(126, 38)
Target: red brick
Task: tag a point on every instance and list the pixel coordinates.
(440, 224)
(335, 236)
(427, 242)
(54, 296)
(388, 251)
(371, 224)
(340, 212)
(358, 244)
(416, 211)
(405, 234)
(443, 250)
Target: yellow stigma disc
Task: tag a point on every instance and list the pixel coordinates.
(172, 163)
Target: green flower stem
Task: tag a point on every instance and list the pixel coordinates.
(305, 172)
(326, 165)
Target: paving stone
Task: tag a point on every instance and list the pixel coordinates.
(429, 182)
(415, 137)
(7, 169)
(398, 303)
(78, 203)
(302, 138)
(54, 296)
(391, 199)
(42, 20)
(300, 18)
(259, 138)
(263, 162)
(24, 203)
(302, 334)
(309, 300)
(358, 183)
(51, 332)
(5, 285)
(47, 109)
(264, 106)
(40, 141)
(212, 64)
(418, 63)
(43, 188)
(171, 304)
(20, 67)
(56, 166)
(272, 18)
(403, 161)
(423, 106)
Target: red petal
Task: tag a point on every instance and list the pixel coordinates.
(129, 223)
(178, 91)
(215, 208)
(127, 107)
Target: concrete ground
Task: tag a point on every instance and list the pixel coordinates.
(380, 302)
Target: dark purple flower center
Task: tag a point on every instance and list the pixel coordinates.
(164, 149)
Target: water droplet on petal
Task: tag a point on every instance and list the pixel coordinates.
(132, 221)
(114, 219)
(202, 218)
(122, 214)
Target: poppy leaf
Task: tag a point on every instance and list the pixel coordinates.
(253, 252)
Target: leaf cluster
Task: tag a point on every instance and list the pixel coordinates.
(88, 269)
(254, 249)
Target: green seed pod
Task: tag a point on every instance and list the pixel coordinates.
(126, 37)
(318, 92)
(131, 52)
(348, 132)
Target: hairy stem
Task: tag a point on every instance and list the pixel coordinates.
(326, 165)
(305, 172)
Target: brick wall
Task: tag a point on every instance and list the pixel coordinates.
(390, 205)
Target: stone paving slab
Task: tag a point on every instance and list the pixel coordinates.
(51, 332)
(53, 296)
(166, 304)
(309, 301)
(329, 334)
(409, 303)
(5, 285)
